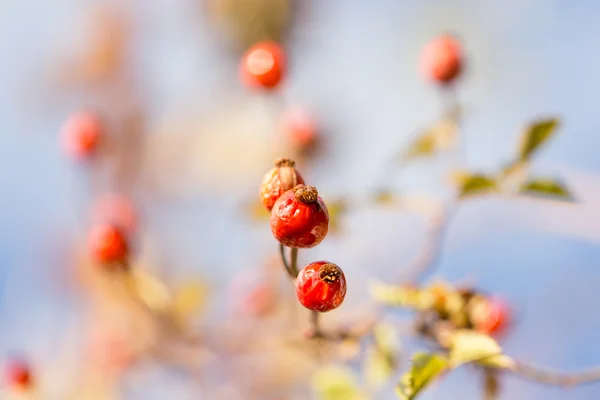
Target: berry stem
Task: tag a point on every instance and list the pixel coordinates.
(285, 262)
(294, 264)
(315, 325)
(290, 267)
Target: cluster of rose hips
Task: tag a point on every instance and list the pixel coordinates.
(113, 216)
(299, 219)
(442, 305)
(263, 68)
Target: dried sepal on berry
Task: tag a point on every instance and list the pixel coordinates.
(279, 180)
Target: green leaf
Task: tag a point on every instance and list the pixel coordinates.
(535, 136)
(336, 383)
(394, 295)
(386, 337)
(468, 346)
(546, 188)
(424, 368)
(382, 358)
(476, 184)
(379, 366)
(440, 136)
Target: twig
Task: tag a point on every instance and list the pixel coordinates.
(429, 255)
(556, 378)
(314, 323)
(284, 261)
(294, 263)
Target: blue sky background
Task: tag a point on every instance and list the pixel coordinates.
(355, 63)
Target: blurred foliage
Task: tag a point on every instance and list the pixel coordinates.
(546, 188)
(443, 135)
(536, 134)
(382, 356)
(424, 368)
(337, 383)
(247, 22)
(468, 346)
(474, 184)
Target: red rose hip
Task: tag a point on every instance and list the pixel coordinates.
(442, 60)
(300, 129)
(321, 286)
(19, 375)
(115, 209)
(300, 218)
(81, 135)
(263, 65)
(278, 181)
(107, 244)
(495, 318)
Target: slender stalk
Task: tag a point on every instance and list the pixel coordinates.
(554, 378)
(294, 263)
(285, 262)
(315, 325)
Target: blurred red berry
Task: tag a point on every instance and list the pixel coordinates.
(300, 218)
(116, 210)
(252, 293)
(496, 317)
(19, 375)
(81, 135)
(107, 243)
(321, 286)
(278, 181)
(110, 350)
(299, 128)
(442, 59)
(263, 65)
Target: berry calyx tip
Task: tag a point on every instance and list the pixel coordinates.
(329, 273)
(285, 162)
(306, 194)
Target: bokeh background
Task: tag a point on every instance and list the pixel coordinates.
(208, 140)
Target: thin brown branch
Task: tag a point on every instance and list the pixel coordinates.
(285, 262)
(556, 378)
(427, 258)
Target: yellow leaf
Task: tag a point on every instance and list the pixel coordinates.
(190, 299)
(150, 290)
(336, 383)
(468, 346)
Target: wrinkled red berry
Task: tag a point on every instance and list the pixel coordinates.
(278, 181)
(299, 127)
(19, 375)
(116, 210)
(321, 286)
(442, 59)
(300, 218)
(263, 65)
(81, 135)
(107, 244)
(495, 318)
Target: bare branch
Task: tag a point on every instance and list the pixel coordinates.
(555, 378)
(429, 254)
